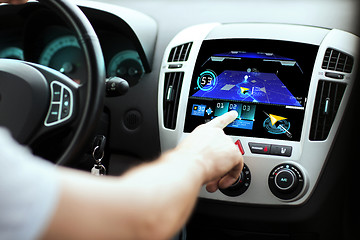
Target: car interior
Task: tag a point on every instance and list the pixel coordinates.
(122, 82)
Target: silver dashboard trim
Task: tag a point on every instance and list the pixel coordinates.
(309, 156)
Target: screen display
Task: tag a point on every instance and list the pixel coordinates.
(265, 81)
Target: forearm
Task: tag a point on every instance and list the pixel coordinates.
(150, 201)
(170, 187)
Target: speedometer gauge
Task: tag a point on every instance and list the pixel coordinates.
(127, 65)
(64, 54)
(12, 53)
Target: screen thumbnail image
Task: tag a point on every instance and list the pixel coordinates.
(246, 113)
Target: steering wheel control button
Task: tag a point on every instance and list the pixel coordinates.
(54, 113)
(281, 150)
(66, 96)
(65, 110)
(56, 93)
(61, 105)
(260, 148)
(278, 150)
(286, 181)
(241, 149)
(241, 185)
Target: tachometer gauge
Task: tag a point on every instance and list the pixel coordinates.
(65, 55)
(12, 53)
(127, 65)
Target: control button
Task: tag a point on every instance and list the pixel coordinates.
(285, 179)
(66, 102)
(56, 92)
(334, 75)
(172, 66)
(66, 95)
(281, 150)
(241, 185)
(238, 143)
(61, 105)
(53, 113)
(260, 148)
(65, 109)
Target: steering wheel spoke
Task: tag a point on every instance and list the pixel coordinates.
(35, 99)
(64, 97)
(63, 104)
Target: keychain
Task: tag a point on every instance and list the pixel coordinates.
(98, 168)
(98, 154)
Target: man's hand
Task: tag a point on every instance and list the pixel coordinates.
(15, 2)
(141, 202)
(220, 158)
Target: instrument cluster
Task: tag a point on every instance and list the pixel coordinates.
(53, 45)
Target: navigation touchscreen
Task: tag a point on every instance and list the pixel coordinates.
(265, 81)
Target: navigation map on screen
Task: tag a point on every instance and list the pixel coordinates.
(244, 86)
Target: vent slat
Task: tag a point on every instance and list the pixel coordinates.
(172, 90)
(337, 61)
(180, 53)
(349, 64)
(325, 64)
(327, 102)
(316, 120)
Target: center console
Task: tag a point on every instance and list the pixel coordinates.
(290, 85)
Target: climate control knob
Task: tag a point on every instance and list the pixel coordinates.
(286, 181)
(241, 185)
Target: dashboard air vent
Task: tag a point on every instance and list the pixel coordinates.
(180, 53)
(327, 102)
(337, 61)
(172, 89)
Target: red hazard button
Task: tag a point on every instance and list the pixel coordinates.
(238, 143)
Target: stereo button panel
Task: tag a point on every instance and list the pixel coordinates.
(61, 107)
(279, 150)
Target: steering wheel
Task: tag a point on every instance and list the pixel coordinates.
(36, 100)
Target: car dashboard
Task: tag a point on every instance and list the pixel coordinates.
(287, 90)
(292, 81)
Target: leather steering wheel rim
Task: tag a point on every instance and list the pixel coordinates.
(94, 84)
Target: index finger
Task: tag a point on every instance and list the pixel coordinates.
(223, 120)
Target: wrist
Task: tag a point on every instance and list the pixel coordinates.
(192, 162)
